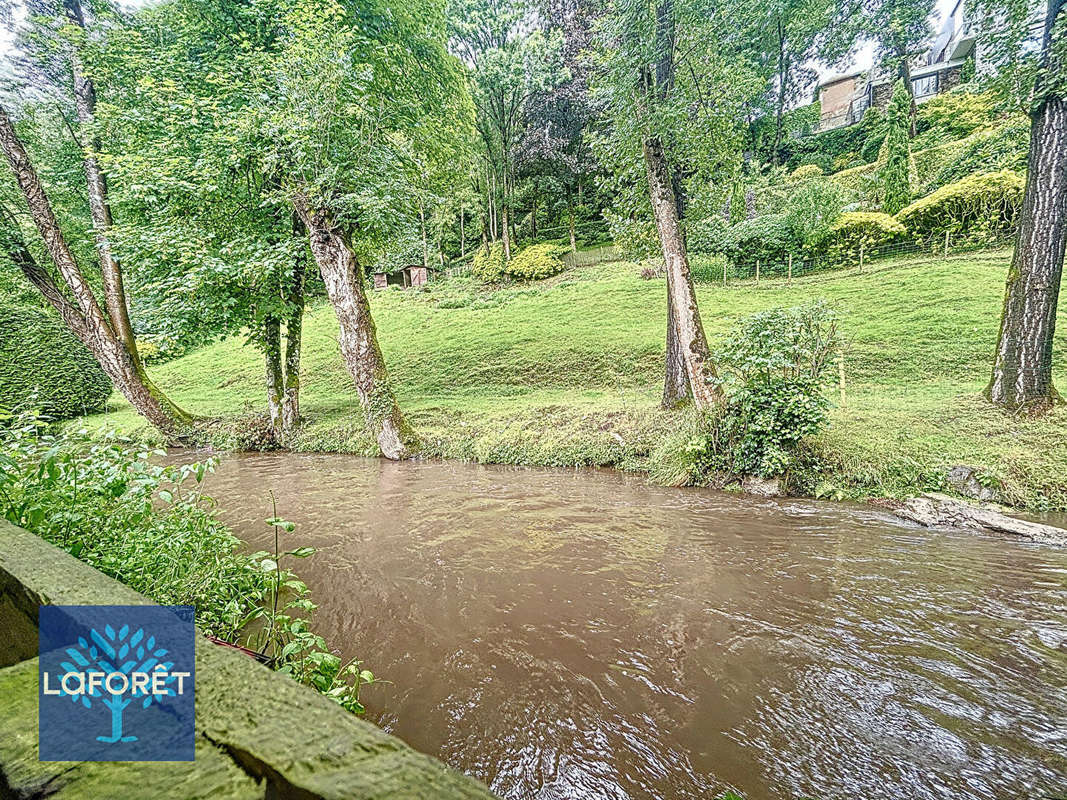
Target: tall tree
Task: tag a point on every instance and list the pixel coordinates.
(83, 316)
(1022, 366)
(897, 170)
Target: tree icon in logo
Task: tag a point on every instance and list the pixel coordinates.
(114, 652)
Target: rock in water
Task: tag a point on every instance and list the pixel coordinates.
(934, 510)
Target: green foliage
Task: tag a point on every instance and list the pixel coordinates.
(825, 148)
(636, 238)
(708, 236)
(856, 230)
(537, 261)
(980, 208)
(41, 362)
(774, 367)
(896, 174)
(805, 172)
(488, 263)
(956, 114)
(112, 505)
(1005, 148)
(768, 239)
(813, 206)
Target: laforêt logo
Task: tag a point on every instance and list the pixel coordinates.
(116, 683)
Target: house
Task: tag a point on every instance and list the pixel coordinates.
(411, 275)
(843, 99)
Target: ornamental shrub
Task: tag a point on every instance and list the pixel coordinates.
(897, 169)
(977, 209)
(774, 367)
(1003, 149)
(537, 261)
(957, 113)
(813, 206)
(768, 239)
(804, 173)
(40, 358)
(488, 264)
(856, 230)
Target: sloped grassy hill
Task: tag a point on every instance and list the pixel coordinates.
(567, 372)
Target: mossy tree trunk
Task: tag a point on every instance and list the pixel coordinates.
(84, 315)
(1022, 366)
(358, 339)
(294, 326)
(272, 351)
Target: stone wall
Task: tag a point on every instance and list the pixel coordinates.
(259, 734)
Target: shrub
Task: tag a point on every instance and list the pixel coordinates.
(804, 173)
(1003, 149)
(708, 236)
(774, 368)
(537, 261)
(636, 239)
(768, 239)
(40, 358)
(957, 113)
(488, 264)
(854, 231)
(897, 169)
(813, 206)
(977, 209)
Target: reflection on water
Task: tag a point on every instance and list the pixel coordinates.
(580, 634)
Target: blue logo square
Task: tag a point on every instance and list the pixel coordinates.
(115, 683)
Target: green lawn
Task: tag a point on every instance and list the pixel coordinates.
(567, 372)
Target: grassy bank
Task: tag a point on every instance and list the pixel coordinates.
(567, 372)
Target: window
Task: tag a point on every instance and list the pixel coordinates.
(924, 87)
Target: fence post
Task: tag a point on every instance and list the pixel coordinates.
(946, 244)
(841, 375)
(757, 272)
(790, 270)
(861, 255)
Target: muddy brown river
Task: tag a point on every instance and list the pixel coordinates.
(580, 634)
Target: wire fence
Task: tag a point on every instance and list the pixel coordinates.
(798, 265)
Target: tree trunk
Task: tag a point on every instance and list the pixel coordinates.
(358, 338)
(507, 233)
(783, 91)
(574, 244)
(294, 326)
(703, 380)
(1022, 367)
(93, 329)
(99, 207)
(533, 219)
(462, 237)
(675, 381)
(272, 349)
(422, 228)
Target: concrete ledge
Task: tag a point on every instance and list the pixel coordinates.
(259, 734)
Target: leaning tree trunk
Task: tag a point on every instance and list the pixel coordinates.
(675, 379)
(99, 207)
(1022, 366)
(703, 380)
(93, 328)
(294, 325)
(358, 338)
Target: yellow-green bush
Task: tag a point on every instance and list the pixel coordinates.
(804, 173)
(858, 230)
(43, 364)
(536, 261)
(979, 208)
(488, 265)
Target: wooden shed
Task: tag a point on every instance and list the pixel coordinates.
(411, 275)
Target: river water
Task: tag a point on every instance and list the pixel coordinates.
(580, 634)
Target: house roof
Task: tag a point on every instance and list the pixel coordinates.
(840, 77)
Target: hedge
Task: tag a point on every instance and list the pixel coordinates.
(488, 265)
(39, 358)
(977, 209)
(859, 230)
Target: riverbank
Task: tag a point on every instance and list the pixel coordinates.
(567, 372)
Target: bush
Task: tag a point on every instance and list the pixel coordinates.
(978, 209)
(774, 368)
(40, 358)
(855, 230)
(708, 236)
(897, 170)
(956, 114)
(488, 264)
(804, 173)
(636, 239)
(537, 261)
(1003, 149)
(768, 239)
(813, 206)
